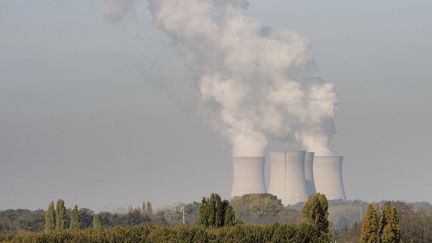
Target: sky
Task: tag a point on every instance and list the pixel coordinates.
(86, 113)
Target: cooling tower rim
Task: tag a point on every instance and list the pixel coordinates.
(287, 151)
(329, 156)
(248, 157)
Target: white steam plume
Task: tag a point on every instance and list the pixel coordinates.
(116, 10)
(252, 80)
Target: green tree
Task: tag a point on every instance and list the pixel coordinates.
(370, 230)
(214, 212)
(315, 212)
(149, 208)
(97, 224)
(75, 223)
(263, 208)
(230, 219)
(50, 221)
(390, 227)
(60, 215)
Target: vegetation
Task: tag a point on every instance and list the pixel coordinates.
(60, 212)
(97, 224)
(75, 223)
(380, 227)
(183, 233)
(213, 212)
(263, 209)
(390, 229)
(345, 218)
(149, 208)
(371, 225)
(50, 220)
(315, 212)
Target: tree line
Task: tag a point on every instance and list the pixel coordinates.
(57, 219)
(216, 222)
(415, 219)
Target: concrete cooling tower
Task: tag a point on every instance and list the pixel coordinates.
(287, 176)
(327, 172)
(310, 185)
(248, 175)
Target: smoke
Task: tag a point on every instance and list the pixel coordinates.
(256, 83)
(116, 10)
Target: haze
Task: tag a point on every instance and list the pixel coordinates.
(87, 115)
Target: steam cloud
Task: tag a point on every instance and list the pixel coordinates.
(255, 83)
(116, 10)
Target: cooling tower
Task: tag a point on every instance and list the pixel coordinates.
(310, 185)
(248, 175)
(327, 172)
(287, 176)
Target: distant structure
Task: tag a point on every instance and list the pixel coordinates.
(294, 176)
(328, 179)
(287, 176)
(309, 176)
(248, 175)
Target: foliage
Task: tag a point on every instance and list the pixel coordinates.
(344, 213)
(183, 233)
(60, 213)
(262, 209)
(390, 232)
(371, 225)
(349, 234)
(97, 224)
(315, 212)
(415, 223)
(75, 220)
(50, 218)
(214, 212)
(149, 208)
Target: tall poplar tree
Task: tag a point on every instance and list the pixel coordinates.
(60, 215)
(149, 209)
(97, 224)
(390, 228)
(315, 212)
(50, 218)
(143, 208)
(370, 229)
(213, 212)
(75, 222)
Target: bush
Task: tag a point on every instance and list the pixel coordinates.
(183, 233)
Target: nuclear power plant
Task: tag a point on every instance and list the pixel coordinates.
(287, 176)
(248, 176)
(294, 176)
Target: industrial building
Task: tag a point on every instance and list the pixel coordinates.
(294, 176)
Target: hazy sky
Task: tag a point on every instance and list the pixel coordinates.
(86, 114)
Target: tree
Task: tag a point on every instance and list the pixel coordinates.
(97, 224)
(75, 223)
(230, 219)
(213, 212)
(50, 220)
(315, 212)
(390, 227)
(143, 208)
(149, 208)
(263, 208)
(60, 215)
(370, 230)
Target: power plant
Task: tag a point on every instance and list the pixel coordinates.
(248, 175)
(287, 176)
(294, 176)
(328, 176)
(309, 176)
